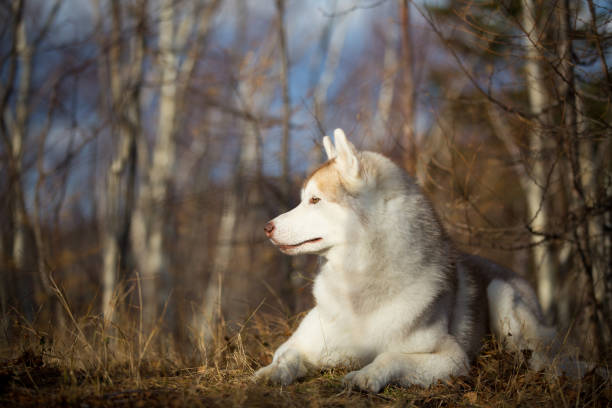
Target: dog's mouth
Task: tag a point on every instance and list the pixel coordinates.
(286, 247)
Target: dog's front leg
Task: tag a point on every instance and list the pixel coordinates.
(285, 368)
(410, 368)
(294, 358)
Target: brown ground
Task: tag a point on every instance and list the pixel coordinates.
(38, 377)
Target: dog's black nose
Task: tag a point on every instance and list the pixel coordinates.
(269, 228)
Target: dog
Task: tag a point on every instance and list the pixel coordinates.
(394, 297)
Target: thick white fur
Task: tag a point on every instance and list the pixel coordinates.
(394, 299)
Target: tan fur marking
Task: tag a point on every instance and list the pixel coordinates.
(327, 180)
(321, 167)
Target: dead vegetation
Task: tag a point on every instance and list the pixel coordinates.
(500, 109)
(87, 367)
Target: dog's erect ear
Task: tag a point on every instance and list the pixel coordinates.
(330, 150)
(347, 154)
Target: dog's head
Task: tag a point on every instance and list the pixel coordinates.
(328, 214)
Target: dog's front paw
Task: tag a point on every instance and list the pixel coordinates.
(365, 379)
(275, 373)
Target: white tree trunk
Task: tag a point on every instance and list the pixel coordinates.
(246, 168)
(537, 210)
(148, 219)
(114, 221)
(23, 254)
(24, 56)
(124, 77)
(592, 165)
(251, 93)
(212, 312)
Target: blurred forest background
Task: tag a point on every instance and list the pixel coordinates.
(145, 143)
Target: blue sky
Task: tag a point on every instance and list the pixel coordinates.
(305, 22)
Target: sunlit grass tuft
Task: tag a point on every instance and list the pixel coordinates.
(93, 362)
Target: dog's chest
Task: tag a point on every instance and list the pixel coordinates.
(346, 299)
(370, 319)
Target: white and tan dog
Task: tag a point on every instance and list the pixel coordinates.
(393, 295)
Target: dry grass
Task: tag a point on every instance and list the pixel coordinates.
(92, 363)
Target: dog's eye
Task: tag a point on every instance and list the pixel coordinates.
(314, 200)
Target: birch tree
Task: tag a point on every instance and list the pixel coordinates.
(537, 210)
(584, 169)
(288, 290)
(176, 63)
(576, 167)
(19, 130)
(555, 134)
(14, 121)
(408, 96)
(125, 75)
(597, 172)
(16, 106)
(13, 124)
(593, 155)
(242, 204)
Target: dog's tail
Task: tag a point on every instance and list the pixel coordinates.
(516, 319)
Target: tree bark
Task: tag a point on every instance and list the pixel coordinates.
(242, 201)
(581, 180)
(14, 131)
(149, 216)
(284, 79)
(408, 91)
(125, 76)
(537, 210)
(289, 289)
(24, 57)
(593, 170)
(385, 95)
